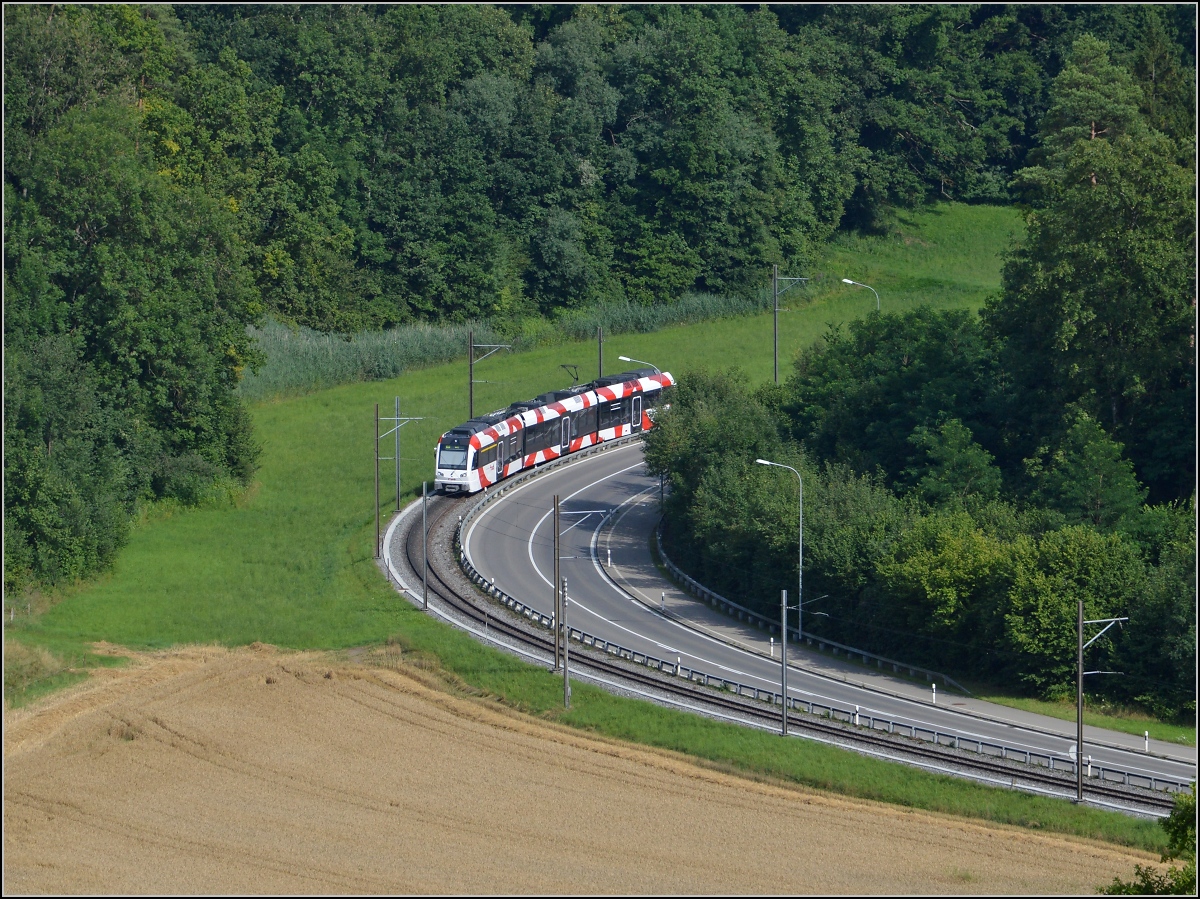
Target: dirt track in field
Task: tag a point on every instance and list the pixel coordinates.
(212, 771)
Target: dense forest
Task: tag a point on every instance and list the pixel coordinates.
(967, 479)
(175, 175)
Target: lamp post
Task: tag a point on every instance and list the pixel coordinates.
(868, 287)
(640, 362)
(799, 585)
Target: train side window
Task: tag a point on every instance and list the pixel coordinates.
(610, 415)
(535, 436)
(486, 456)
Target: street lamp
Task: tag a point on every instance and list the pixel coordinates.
(799, 590)
(868, 287)
(640, 362)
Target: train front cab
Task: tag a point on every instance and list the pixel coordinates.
(455, 460)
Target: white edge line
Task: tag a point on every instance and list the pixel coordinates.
(488, 638)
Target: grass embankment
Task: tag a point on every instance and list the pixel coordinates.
(290, 562)
(1128, 721)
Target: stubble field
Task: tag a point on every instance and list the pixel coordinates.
(203, 770)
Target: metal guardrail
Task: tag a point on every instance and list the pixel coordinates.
(729, 607)
(701, 678)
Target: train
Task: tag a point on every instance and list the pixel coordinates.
(492, 447)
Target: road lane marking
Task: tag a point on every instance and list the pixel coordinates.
(897, 716)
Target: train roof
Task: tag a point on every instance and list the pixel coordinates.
(483, 422)
(635, 374)
(555, 396)
(480, 423)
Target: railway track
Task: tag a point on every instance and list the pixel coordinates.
(448, 584)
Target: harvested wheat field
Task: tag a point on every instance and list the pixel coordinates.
(206, 770)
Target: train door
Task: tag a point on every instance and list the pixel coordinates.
(637, 412)
(565, 445)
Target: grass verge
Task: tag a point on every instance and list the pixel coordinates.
(495, 676)
(1127, 721)
(33, 670)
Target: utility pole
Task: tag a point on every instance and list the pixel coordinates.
(600, 344)
(424, 548)
(398, 422)
(396, 430)
(557, 590)
(775, 292)
(472, 346)
(1107, 622)
(783, 656)
(566, 645)
(377, 541)
(1079, 712)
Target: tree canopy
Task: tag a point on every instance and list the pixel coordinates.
(173, 174)
(970, 479)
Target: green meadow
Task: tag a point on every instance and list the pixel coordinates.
(947, 256)
(289, 561)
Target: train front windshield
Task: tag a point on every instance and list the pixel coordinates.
(453, 454)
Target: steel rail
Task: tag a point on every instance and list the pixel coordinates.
(453, 588)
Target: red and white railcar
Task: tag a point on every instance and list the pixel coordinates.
(492, 447)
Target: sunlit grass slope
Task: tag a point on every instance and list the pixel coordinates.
(290, 562)
(948, 256)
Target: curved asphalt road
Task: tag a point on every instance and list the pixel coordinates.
(511, 542)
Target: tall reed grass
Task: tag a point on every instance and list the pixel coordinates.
(632, 318)
(300, 360)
